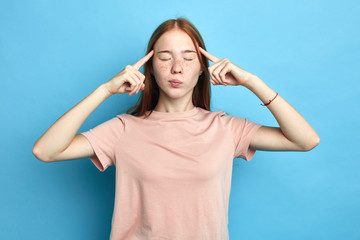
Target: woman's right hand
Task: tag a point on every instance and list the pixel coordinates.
(129, 79)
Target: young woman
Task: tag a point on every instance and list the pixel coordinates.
(173, 156)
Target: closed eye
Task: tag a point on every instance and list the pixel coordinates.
(164, 56)
(189, 56)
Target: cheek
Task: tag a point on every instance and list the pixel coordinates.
(190, 66)
(161, 68)
(193, 67)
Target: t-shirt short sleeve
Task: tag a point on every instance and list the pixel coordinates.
(103, 139)
(242, 131)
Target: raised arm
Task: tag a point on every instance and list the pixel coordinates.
(61, 141)
(294, 133)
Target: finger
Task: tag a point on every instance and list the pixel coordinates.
(209, 56)
(214, 66)
(138, 88)
(132, 83)
(141, 79)
(212, 81)
(217, 70)
(140, 75)
(142, 61)
(136, 85)
(223, 73)
(214, 78)
(211, 72)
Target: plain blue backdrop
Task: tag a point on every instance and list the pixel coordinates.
(54, 53)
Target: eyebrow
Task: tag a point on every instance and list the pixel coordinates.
(185, 51)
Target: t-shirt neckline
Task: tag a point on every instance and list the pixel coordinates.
(173, 115)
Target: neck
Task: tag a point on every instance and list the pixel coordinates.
(174, 105)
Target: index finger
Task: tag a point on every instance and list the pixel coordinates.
(143, 60)
(209, 56)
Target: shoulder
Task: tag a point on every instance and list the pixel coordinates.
(230, 121)
(126, 119)
(208, 113)
(222, 115)
(222, 118)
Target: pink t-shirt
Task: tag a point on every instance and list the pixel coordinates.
(173, 172)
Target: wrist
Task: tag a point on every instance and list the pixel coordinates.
(104, 90)
(252, 82)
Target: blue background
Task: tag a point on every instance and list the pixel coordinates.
(54, 53)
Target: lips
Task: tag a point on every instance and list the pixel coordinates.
(175, 81)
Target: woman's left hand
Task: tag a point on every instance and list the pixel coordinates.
(224, 72)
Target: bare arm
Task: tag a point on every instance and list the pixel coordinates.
(60, 141)
(294, 134)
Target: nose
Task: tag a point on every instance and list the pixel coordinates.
(177, 66)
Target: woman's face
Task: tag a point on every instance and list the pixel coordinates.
(175, 59)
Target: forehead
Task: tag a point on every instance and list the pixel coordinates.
(174, 39)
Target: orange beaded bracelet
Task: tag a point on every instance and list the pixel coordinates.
(265, 104)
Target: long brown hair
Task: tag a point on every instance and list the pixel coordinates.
(150, 95)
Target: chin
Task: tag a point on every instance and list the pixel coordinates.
(175, 93)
